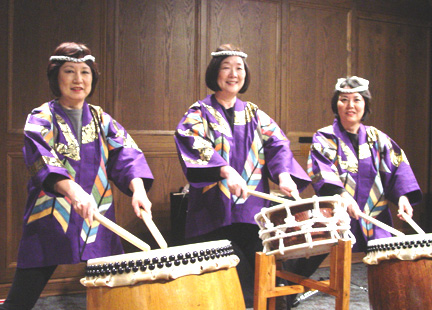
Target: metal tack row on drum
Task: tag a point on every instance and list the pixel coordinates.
(409, 247)
(160, 264)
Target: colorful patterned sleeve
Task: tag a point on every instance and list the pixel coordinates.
(277, 153)
(397, 175)
(39, 155)
(322, 161)
(196, 145)
(126, 161)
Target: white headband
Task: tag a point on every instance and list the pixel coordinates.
(72, 59)
(364, 85)
(229, 53)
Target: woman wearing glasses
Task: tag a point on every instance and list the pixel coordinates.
(361, 163)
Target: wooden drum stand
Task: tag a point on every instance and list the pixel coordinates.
(267, 269)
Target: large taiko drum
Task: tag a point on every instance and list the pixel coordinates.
(303, 228)
(194, 276)
(400, 272)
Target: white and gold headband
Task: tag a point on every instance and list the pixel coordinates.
(72, 59)
(364, 85)
(229, 53)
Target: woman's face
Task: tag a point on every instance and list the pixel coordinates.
(75, 82)
(231, 75)
(351, 107)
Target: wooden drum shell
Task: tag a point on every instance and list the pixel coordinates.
(400, 284)
(212, 290)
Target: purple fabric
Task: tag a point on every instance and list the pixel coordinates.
(328, 163)
(204, 140)
(44, 242)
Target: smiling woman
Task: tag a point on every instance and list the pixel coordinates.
(72, 149)
(361, 163)
(75, 84)
(226, 147)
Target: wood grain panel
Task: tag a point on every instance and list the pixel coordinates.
(395, 59)
(17, 176)
(407, 9)
(255, 27)
(155, 63)
(3, 128)
(317, 57)
(31, 47)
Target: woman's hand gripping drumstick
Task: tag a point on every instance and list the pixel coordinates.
(410, 221)
(286, 185)
(355, 212)
(121, 231)
(153, 229)
(142, 207)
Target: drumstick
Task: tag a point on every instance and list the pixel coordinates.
(413, 224)
(268, 196)
(153, 229)
(381, 224)
(296, 195)
(121, 232)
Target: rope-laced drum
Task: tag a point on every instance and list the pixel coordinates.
(304, 228)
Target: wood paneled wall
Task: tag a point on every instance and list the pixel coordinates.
(153, 54)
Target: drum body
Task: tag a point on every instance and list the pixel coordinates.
(303, 228)
(400, 272)
(195, 276)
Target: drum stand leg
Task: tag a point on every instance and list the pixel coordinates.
(267, 270)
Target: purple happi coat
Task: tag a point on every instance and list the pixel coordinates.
(380, 173)
(257, 149)
(53, 233)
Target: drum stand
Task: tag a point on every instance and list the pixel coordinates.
(267, 269)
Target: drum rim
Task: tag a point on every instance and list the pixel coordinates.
(294, 203)
(413, 237)
(157, 252)
(323, 246)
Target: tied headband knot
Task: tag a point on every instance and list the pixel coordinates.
(229, 53)
(72, 59)
(364, 85)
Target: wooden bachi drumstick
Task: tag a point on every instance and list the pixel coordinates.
(121, 232)
(413, 224)
(273, 197)
(296, 195)
(381, 224)
(153, 229)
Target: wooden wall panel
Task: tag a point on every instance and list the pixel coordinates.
(31, 46)
(318, 55)
(255, 27)
(394, 57)
(155, 63)
(17, 175)
(3, 129)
